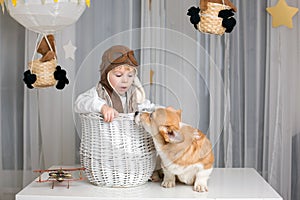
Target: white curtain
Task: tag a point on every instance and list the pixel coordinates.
(282, 94)
(240, 88)
(49, 133)
(37, 126)
(251, 113)
(11, 98)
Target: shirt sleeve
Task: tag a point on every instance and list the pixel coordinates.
(89, 102)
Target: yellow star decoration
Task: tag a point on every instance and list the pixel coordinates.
(14, 2)
(2, 5)
(282, 14)
(88, 3)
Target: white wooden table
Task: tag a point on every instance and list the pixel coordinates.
(224, 184)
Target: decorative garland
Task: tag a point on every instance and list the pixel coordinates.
(14, 2)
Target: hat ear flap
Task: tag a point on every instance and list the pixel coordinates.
(169, 135)
(140, 92)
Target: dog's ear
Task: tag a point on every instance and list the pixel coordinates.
(178, 112)
(170, 108)
(170, 135)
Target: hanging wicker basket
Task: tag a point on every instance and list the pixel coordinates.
(116, 154)
(209, 20)
(44, 72)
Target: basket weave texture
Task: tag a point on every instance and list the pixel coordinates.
(116, 154)
(209, 20)
(44, 72)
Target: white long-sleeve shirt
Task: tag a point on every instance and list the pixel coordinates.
(89, 102)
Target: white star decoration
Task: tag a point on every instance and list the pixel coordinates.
(69, 50)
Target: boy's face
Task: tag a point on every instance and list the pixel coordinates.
(121, 78)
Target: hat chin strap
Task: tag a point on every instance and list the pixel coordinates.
(140, 92)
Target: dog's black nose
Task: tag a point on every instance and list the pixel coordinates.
(136, 113)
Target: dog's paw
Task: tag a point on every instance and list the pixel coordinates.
(168, 184)
(200, 188)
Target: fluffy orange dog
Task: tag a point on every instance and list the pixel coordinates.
(185, 151)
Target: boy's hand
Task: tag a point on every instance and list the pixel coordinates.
(108, 113)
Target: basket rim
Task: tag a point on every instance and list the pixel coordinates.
(121, 116)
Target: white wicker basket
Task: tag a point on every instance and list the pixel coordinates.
(116, 154)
